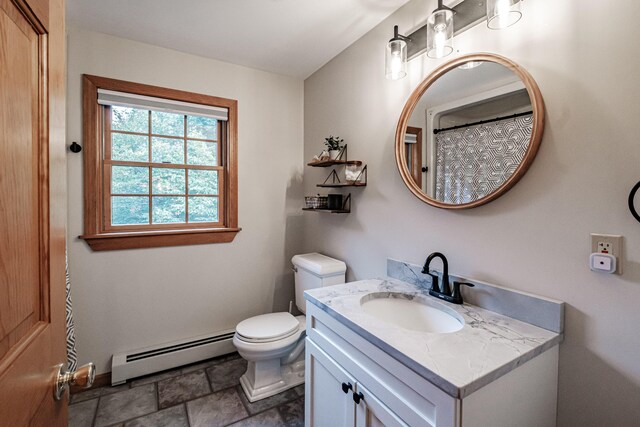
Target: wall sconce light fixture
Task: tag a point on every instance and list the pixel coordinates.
(435, 38)
(395, 59)
(440, 32)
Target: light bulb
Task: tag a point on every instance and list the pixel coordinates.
(396, 67)
(439, 40)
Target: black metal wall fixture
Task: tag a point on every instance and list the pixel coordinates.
(632, 196)
(75, 147)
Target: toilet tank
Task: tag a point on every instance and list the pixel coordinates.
(315, 270)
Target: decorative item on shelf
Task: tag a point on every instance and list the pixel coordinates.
(435, 37)
(354, 173)
(322, 157)
(333, 143)
(323, 160)
(316, 202)
(335, 201)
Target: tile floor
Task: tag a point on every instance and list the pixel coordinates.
(203, 394)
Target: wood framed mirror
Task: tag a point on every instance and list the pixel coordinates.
(480, 120)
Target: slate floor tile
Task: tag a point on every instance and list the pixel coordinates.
(124, 405)
(156, 377)
(293, 413)
(83, 395)
(267, 403)
(299, 389)
(175, 416)
(110, 390)
(182, 388)
(81, 414)
(226, 374)
(203, 365)
(270, 418)
(217, 409)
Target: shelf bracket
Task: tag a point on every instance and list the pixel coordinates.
(346, 204)
(335, 179)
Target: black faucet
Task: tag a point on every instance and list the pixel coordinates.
(434, 277)
(445, 293)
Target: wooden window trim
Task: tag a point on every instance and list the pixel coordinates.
(97, 233)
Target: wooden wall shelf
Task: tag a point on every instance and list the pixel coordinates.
(343, 184)
(327, 210)
(327, 163)
(334, 180)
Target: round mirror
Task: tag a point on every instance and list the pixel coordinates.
(469, 131)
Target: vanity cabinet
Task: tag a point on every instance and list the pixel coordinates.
(341, 364)
(337, 399)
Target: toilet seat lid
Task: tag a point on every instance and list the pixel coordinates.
(268, 327)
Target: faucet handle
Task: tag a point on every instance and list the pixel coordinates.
(434, 280)
(457, 296)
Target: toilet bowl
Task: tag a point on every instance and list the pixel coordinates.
(270, 343)
(273, 344)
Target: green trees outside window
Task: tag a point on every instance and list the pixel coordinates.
(164, 167)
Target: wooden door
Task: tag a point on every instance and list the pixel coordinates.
(326, 404)
(32, 211)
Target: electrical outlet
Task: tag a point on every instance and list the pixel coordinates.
(608, 244)
(604, 247)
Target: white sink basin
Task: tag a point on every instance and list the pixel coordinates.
(411, 312)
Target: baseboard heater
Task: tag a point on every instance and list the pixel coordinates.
(145, 361)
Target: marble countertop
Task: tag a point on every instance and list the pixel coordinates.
(488, 346)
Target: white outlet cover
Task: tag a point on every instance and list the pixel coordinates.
(603, 263)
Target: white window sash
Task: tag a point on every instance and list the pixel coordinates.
(131, 100)
(410, 138)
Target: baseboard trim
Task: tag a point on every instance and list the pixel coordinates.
(100, 380)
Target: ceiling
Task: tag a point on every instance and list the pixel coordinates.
(290, 37)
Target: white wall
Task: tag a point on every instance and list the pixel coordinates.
(134, 298)
(536, 237)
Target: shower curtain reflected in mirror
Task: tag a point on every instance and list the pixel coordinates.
(473, 161)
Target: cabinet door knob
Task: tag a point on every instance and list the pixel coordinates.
(357, 397)
(346, 387)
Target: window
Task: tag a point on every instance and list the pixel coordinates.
(160, 166)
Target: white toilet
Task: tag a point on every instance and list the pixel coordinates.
(273, 344)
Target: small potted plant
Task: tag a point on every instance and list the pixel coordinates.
(334, 144)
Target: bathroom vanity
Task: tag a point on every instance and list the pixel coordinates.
(366, 367)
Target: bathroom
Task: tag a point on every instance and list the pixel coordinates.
(534, 238)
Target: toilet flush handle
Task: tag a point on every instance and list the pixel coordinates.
(294, 269)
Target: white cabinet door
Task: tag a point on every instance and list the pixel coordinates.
(326, 404)
(371, 412)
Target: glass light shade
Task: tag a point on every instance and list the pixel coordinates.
(395, 59)
(440, 33)
(503, 13)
